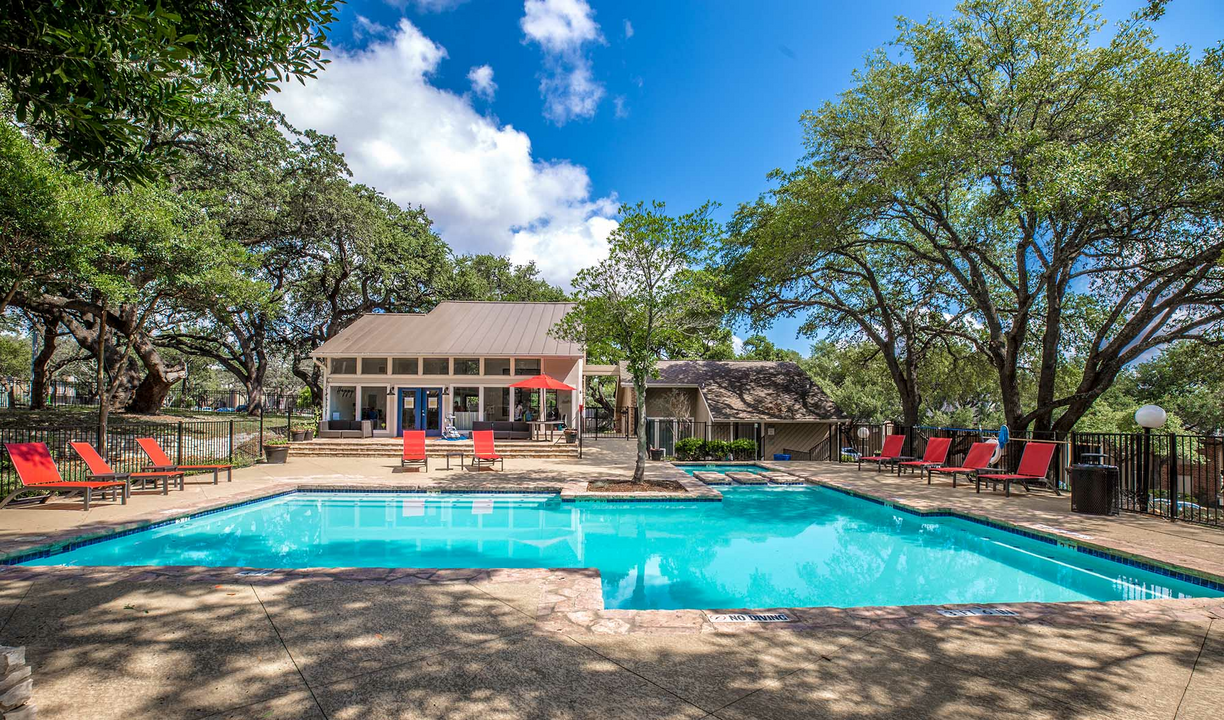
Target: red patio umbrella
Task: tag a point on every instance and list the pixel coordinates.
(541, 382)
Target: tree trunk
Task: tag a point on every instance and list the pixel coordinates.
(38, 370)
(160, 376)
(104, 393)
(639, 390)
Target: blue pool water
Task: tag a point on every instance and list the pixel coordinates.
(759, 547)
(715, 467)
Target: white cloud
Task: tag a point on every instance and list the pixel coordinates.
(482, 81)
(420, 144)
(619, 103)
(737, 344)
(365, 27)
(562, 29)
(428, 5)
(628, 29)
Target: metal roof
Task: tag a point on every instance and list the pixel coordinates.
(456, 328)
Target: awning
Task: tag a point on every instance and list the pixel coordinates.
(541, 382)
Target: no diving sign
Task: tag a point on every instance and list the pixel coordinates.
(743, 617)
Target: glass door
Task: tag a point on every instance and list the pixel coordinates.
(408, 410)
(431, 411)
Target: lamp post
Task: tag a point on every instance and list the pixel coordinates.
(864, 432)
(1148, 417)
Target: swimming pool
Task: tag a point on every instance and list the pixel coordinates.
(759, 547)
(721, 468)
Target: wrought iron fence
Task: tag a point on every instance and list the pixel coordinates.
(664, 433)
(17, 393)
(1174, 476)
(599, 422)
(238, 441)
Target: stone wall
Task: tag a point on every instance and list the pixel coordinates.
(17, 685)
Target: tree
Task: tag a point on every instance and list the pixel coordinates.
(812, 250)
(112, 84)
(759, 347)
(1067, 188)
(492, 277)
(644, 298)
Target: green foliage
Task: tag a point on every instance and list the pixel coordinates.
(492, 277)
(689, 449)
(717, 449)
(15, 356)
(1014, 180)
(645, 299)
(759, 347)
(111, 83)
(743, 449)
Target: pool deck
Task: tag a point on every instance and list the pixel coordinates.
(374, 643)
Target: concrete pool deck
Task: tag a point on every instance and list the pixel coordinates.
(343, 643)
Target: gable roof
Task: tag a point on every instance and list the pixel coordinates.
(457, 328)
(751, 390)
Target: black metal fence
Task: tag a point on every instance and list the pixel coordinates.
(238, 441)
(599, 422)
(665, 433)
(1173, 476)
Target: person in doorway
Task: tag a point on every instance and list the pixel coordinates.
(518, 412)
(527, 415)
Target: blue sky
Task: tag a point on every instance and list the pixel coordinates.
(594, 103)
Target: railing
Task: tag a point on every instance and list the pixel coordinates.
(1174, 476)
(238, 441)
(664, 433)
(598, 422)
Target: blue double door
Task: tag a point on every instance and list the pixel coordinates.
(420, 409)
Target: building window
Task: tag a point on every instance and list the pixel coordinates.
(497, 403)
(404, 366)
(342, 402)
(344, 366)
(435, 366)
(527, 367)
(467, 366)
(373, 366)
(374, 408)
(497, 366)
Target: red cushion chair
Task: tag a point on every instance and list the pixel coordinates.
(1034, 464)
(891, 452)
(38, 472)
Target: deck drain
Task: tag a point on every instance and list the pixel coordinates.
(972, 612)
(254, 573)
(740, 618)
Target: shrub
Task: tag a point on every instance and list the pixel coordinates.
(717, 449)
(689, 449)
(743, 449)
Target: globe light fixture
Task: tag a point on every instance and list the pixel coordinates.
(864, 432)
(1151, 417)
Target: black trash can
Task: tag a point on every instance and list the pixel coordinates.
(1094, 489)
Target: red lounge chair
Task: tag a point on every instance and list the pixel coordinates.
(1034, 464)
(38, 472)
(483, 451)
(414, 449)
(978, 458)
(161, 463)
(890, 453)
(936, 454)
(100, 470)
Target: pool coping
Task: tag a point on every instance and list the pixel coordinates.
(572, 599)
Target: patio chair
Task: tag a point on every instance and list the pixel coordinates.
(100, 470)
(483, 451)
(936, 454)
(414, 450)
(161, 463)
(978, 458)
(38, 472)
(890, 453)
(1034, 464)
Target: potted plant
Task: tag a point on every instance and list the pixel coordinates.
(299, 433)
(276, 451)
(571, 435)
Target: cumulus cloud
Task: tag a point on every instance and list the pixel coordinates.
(420, 144)
(482, 81)
(628, 29)
(563, 29)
